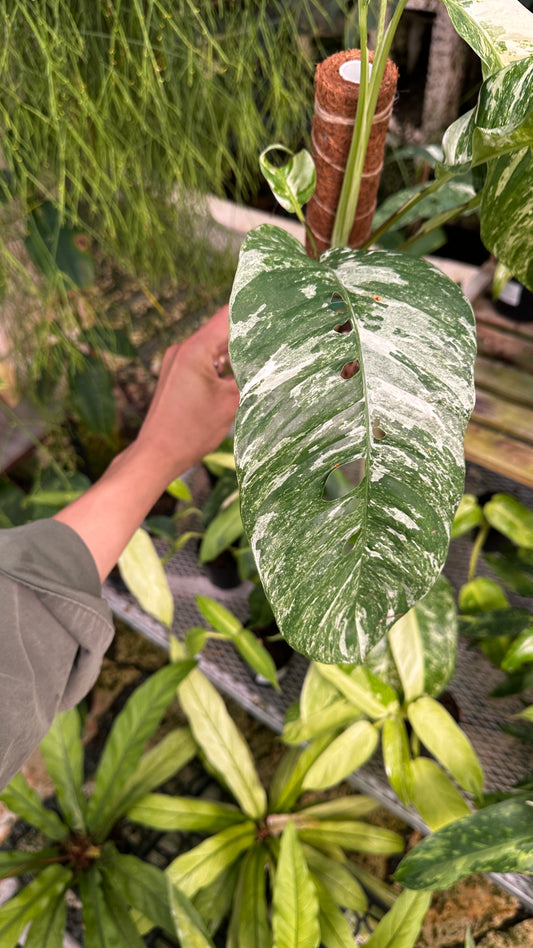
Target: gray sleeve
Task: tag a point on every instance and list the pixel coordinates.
(54, 630)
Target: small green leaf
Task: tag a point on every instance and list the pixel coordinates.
(335, 930)
(23, 800)
(224, 530)
(346, 753)
(286, 785)
(294, 900)
(249, 924)
(179, 490)
(48, 929)
(433, 794)
(362, 688)
(340, 808)
(142, 885)
(519, 653)
(163, 812)
(437, 730)
(222, 743)
(58, 249)
(400, 927)
(214, 901)
(316, 692)
(135, 724)
(352, 835)
(195, 639)
(467, 516)
(498, 838)
(481, 595)
(396, 756)
(218, 459)
(218, 616)
(34, 899)
(293, 183)
(118, 914)
(509, 570)
(200, 866)
(100, 931)
(337, 878)
(253, 652)
(495, 623)
(62, 750)
(469, 941)
(189, 925)
(424, 643)
(512, 518)
(142, 572)
(336, 715)
(156, 766)
(14, 862)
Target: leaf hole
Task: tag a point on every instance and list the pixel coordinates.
(350, 369)
(337, 304)
(345, 327)
(350, 543)
(343, 479)
(377, 430)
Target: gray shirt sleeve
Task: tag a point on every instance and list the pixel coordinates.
(54, 630)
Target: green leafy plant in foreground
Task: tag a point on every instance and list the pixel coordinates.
(391, 699)
(274, 865)
(504, 539)
(79, 852)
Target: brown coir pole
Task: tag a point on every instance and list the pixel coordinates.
(332, 130)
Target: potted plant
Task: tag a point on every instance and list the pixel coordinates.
(375, 383)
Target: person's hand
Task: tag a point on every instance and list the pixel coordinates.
(195, 400)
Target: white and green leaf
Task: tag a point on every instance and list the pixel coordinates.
(36, 898)
(200, 866)
(135, 724)
(249, 924)
(222, 742)
(350, 750)
(375, 551)
(295, 901)
(498, 838)
(23, 800)
(424, 643)
(434, 795)
(400, 927)
(292, 183)
(163, 812)
(62, 750)
(445, 740)
(499, 31)
(143, 573)
(396, 756)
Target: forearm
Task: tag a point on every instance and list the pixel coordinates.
(109, 513)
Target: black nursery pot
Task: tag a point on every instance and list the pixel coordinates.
(223, 571)
(279, 650)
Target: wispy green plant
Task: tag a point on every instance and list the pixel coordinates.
(121, 114)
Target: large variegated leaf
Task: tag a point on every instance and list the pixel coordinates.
(498, 838)
(366, 357)
(499, 132)
(507, 213)
(502, 120)
(499, 31)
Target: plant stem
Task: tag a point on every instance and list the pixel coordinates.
(366, 107)
(476, 549)
(412, 202)
(440, 219)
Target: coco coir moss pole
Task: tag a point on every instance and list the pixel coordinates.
(336, 95)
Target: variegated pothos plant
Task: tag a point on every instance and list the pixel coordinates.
(367, 356)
